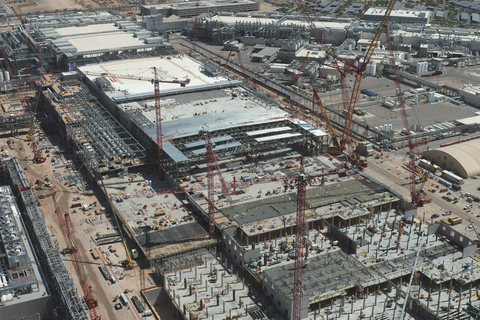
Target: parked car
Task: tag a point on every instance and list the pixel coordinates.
(435, 216)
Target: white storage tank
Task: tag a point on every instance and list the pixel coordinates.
(390, 128)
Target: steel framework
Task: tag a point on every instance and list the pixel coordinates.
(96, 134)
(416, 192)
(71, 306)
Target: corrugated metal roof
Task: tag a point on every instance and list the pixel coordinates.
(258, 132)
(173, 152)
(439, 14)
(420, 7)
(202, 142)
(219, 147)
(464, 16)
(278, 137)
(326, 3)
(475, 17)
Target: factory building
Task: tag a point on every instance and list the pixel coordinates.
(190, 9)
(24, 292)
(402, 16)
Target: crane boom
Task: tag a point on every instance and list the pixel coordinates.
(333, 135)
(415, 190)
(358, 76)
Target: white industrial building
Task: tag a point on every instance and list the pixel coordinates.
(190, 9)
(404, 16)
(471, 95)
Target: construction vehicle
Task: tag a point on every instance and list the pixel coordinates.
(472, 309)
(129, 263)
(454, 220)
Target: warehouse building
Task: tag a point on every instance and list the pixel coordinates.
(462, 159)
(190, 9)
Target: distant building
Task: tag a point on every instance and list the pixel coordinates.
(399, 16)
(190, 9)
(23, 292)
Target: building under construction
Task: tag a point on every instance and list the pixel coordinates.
(353, 221)
(25, 273)
(362, 238)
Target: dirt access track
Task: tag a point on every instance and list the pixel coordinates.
(52, 5)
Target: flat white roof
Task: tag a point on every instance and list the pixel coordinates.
(104, 42)
(86, 29)
(180, 67)
(258, 132)
(470, 120)
(406, 13)
(94, 42)
(278, 136)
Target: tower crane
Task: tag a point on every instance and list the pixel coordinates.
(158, 112)
(417, 193)
(302, 180)
(211, 163)
(357, 69)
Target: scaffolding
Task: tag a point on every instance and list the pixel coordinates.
(71, 305)
(95, 134)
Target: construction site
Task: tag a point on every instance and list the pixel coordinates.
(238, 164)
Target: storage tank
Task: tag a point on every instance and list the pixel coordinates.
(385, 127)
(390, 128)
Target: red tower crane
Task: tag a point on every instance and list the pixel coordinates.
(417, 193)
(299, 242)
(350, 68)
(72, 248)
(302, 181)
(211, 163)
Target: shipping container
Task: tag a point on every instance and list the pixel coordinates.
(450, 176)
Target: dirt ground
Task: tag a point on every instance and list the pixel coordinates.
(84, 232)
(43, 5)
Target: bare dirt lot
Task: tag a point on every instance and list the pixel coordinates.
(44, 5)
(85, 231)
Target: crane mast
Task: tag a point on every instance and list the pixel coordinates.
(416, 192)
(299, 242)
(212, 164)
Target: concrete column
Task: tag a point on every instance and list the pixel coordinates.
(460, 300)
(470, 293)
(439, 295)
(428, 298)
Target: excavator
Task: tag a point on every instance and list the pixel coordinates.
(129, 263)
